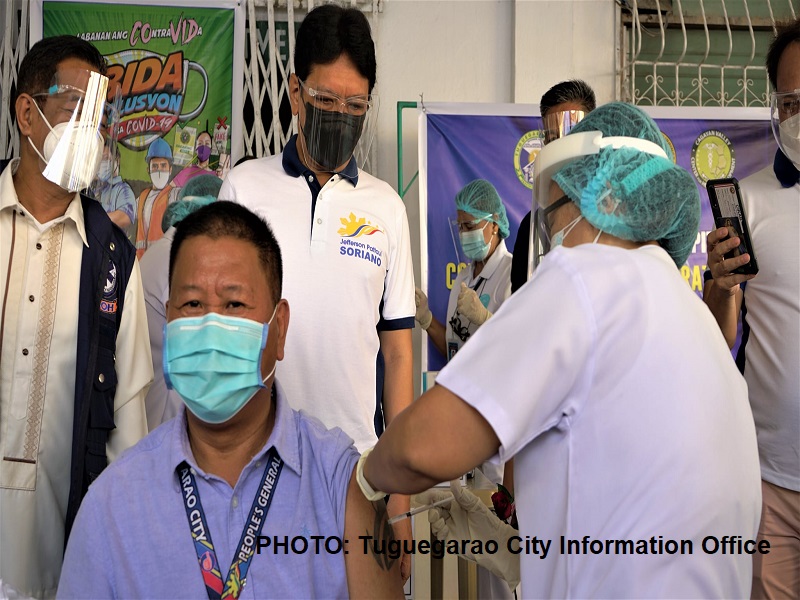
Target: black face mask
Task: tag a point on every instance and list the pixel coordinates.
(333, 136)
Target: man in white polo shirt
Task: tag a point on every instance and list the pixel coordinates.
(345, 239)
(769, 305)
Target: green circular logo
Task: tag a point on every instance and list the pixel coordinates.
(525, 153)
(712, 156)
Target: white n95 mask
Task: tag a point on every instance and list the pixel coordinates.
(73, 148)
(160, 179)
(72, 154)
(789, 131)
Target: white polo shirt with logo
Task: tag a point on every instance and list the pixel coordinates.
(347, 273)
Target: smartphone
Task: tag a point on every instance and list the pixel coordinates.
(728, 211)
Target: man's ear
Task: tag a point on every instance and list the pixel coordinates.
(294, 93)
(24, 110)
(282, 321)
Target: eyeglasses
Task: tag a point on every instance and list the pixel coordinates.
(787, 103)
(461, 331)
(470, 225)
(64, 98)
(354, 105)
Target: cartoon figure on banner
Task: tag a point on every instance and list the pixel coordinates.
(114, 194)
(203, 156)
(153, 201)
(221, 131)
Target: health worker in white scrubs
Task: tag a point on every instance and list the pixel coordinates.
(485, 283)
(609, 382)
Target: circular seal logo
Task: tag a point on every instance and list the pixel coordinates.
(525, 153)
(712, 156)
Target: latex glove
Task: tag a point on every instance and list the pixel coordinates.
(424, 316)
(470, 305)
(468, 518)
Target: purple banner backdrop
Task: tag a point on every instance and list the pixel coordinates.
(462, 147)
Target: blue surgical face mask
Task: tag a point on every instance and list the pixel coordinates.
(106, 170)
(559, 236)
(473, 243)
(214, 363)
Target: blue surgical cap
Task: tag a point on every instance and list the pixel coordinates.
(628, 193)
(480, 198)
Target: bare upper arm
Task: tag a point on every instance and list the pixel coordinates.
(371, 570)
(398, 354)
(396, 343)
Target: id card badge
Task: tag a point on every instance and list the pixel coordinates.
(452, 348)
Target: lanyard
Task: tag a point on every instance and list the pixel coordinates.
(206, 556)
(479, 284)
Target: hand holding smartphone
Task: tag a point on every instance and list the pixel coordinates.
(728, 210)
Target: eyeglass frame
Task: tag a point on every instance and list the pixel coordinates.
(472, 225)
(546, 212)
(776, 96)
(316, 95)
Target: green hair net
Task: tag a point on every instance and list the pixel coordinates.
(628, 193)
(201, 185)
(197, 192)
(481, 199)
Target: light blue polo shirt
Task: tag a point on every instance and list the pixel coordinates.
(116, 194)
(132, 538)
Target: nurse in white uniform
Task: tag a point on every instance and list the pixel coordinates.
(485, 283)
(610, 383)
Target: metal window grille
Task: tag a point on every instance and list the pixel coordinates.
(698, 52)
(14, 19)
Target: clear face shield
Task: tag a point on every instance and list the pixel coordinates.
(73, 148)
(558, 124)
(109, 131)
(785, 117)
(337, 128)
(549, 161)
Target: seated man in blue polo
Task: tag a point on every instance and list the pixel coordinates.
(239, 495)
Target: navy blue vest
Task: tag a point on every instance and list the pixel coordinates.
(106, 267)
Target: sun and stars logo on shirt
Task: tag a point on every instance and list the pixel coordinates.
(353, 228)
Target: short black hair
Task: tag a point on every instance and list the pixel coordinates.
(573, 90)
(328, 32)
(41, 62)
(228, 219)
(787, 34)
